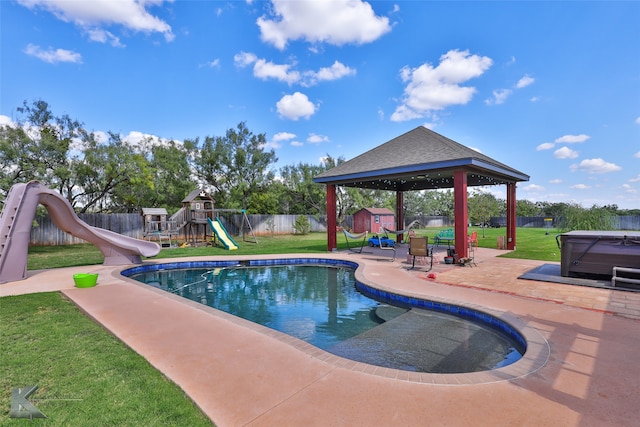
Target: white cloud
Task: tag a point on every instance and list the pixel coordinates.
(596, 166)
(92, 15)
(638, 120)
(525, 81)
(573, 139)
(336, 22)
(317, 139)
(103, 36)
(430, 88)
(534, 187)
(637, 155)
(6, 121)
(565, 153)
(334, 72)
(545, 146)
(534, 99)
(555, 181)
(278, 138)
(244, 59)
(499, 96)
(283, 136)
(629, 189)
(53, 55)
(297, 143)
(213, 64)
(581, 187)
(264, 69)
(294, 106)
(636, 179)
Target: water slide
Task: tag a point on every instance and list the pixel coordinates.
(222, 235)
(15, 229)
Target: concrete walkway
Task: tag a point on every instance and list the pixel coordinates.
(581, 370)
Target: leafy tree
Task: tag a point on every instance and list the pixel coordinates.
(237, 167)
(112, 176)
(578, 218)
(527, 208)
(482, 206)
(302, 195)
(172, 174)
(38, 147)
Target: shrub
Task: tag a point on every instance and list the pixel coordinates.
(301, 225)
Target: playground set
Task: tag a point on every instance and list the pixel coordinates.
(197, 218)
(199, 223)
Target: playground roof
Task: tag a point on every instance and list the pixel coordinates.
(197, 194)
(418, 160)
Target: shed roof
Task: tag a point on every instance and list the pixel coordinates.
(378, 211)
(154, 211)
(417, 160)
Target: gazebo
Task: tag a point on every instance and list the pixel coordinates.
(423, 160)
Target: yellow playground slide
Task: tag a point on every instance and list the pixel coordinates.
(222, 235)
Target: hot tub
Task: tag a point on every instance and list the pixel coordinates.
(597, 252)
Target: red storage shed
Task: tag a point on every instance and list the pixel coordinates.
(372, 219)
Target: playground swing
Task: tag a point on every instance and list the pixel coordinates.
(244, 228)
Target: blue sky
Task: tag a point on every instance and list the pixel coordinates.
(549, 88)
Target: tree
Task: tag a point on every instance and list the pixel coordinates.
(302, 195)
(482, 206)
(578, 218)
(38, 147)
(111, 176)
(237, 167)
(527, 208)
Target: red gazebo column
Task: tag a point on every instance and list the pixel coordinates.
(511, 216)
(332, 223)
(399, 214)
(460, 212)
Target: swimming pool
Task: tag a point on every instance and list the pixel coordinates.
(319, 301)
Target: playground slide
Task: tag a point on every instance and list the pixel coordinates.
(222, 235)
(15, 229)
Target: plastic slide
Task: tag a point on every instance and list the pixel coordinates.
(15, 229)
(222, 235)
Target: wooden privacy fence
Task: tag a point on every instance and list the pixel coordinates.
(44, 231)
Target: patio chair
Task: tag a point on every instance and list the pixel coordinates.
(355, 237)
(419, 246)
(473, 239)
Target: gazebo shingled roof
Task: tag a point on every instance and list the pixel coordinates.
(422, 159)
(419, 160)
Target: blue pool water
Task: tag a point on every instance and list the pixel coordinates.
(321, 302)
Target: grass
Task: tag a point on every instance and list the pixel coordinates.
(47, 341)
(532, 243)
(85, 376)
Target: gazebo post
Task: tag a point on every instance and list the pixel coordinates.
(511, 216)
(460, 212)
(399, 214)
(332, 243)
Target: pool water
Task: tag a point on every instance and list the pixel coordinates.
(321, 305)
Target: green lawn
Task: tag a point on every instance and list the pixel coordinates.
(88, 377)
(532, 243)
(85, 376)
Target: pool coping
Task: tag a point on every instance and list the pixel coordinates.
(535, 357)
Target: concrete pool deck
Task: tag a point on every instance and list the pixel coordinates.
(241, 374)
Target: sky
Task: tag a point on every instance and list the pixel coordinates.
(550, 88)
